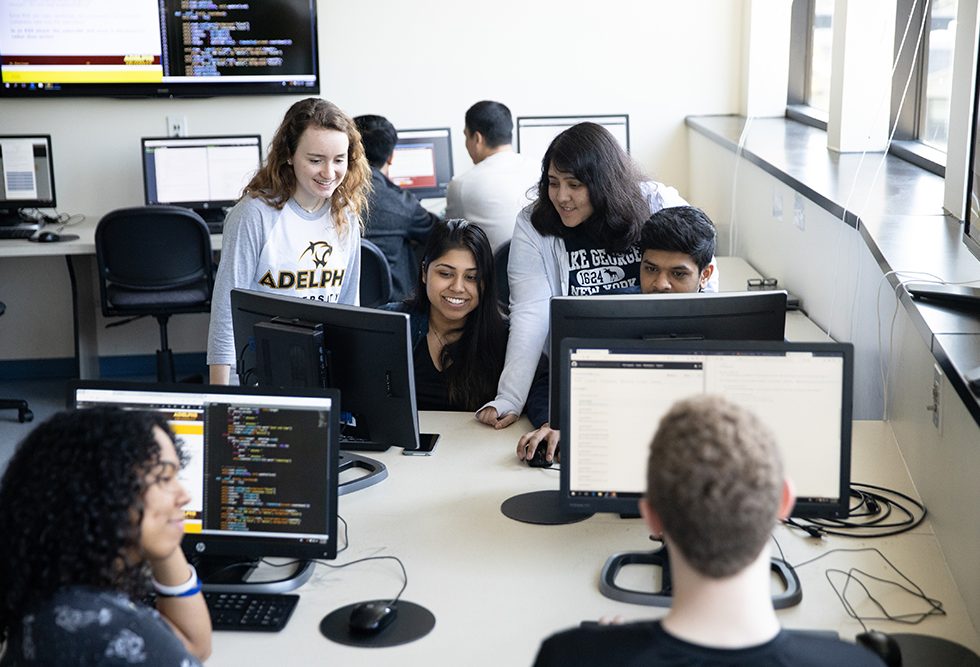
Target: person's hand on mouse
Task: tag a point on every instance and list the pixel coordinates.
(529, 442)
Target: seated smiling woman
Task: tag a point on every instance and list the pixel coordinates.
(459, 335)
(91, 514)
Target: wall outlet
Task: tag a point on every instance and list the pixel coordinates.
(799, 211)
(938, 384)
(176, 126)
(777, 204)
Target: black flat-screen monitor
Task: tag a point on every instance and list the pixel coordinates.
(167, 48)
(206, 174)
(971, 232)
(423, 162)
(704, 315)
(535, 133)
(261, 469)
(615, 392)
(365, 353)
(26, 176)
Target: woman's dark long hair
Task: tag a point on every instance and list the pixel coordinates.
(71, 506)
(590, 153)
(472, 363)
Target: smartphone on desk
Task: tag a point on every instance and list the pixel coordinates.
(427, 443)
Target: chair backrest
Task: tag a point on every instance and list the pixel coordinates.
(152, 249)
(500, 258)
(375, 289)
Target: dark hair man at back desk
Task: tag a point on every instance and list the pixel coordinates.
(395, 216)
(677, 245)
(494, 191)
(715, 489)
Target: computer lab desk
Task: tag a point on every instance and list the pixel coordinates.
(82, 267)
(498, 587)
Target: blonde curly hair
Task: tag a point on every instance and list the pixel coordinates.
(275, 182)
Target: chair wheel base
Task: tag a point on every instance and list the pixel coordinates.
(25, 416)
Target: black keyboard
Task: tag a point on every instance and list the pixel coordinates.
(215, 226)
(351, 444)
(250, 612)
(16, 232)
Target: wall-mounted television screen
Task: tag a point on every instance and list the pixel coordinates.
(157, 48)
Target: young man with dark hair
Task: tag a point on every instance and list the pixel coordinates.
(493, 192)
(677, 244)
(715, 489)
(395, 218)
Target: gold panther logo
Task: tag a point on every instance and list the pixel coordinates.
(320, 251)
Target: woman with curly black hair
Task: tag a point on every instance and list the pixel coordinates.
(91, 515)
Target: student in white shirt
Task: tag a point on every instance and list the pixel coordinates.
(579, 237)
(297, 229)
(494, 191)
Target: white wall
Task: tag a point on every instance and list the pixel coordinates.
(825, 262)
(420, 64)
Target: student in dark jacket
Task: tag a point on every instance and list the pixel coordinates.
(715, 490)
(459, 335)
(395, 217)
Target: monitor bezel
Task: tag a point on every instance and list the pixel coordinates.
(397, 411)
(627, 503)
(242, 545)
(21, 204)
(207, 205)
(577, 118)
(688, 307)
(971, 212)
(429, 192)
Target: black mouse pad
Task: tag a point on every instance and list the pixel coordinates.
(413, 622)
(540, 507)
(925, 650)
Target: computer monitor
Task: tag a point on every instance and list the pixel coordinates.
(168, 48)
(365, 353)
(703, 315)
(206, 174)
(535, 133)
(28, 176)
(261, 472)
(423, 162)
(971, 231)
(616, 391)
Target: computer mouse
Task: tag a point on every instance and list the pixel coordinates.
(45, 236)
(539, 460)
(370, 618)
(882, 645)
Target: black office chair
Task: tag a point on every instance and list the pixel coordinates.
(24, 413)
(500, 258)
(375, 287)
(156, 261)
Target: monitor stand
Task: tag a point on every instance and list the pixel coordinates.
(376, 472)
(791, 595)
(539, 507)
(230, 574)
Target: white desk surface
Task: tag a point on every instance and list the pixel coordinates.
(83, 245)
(498, 587)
